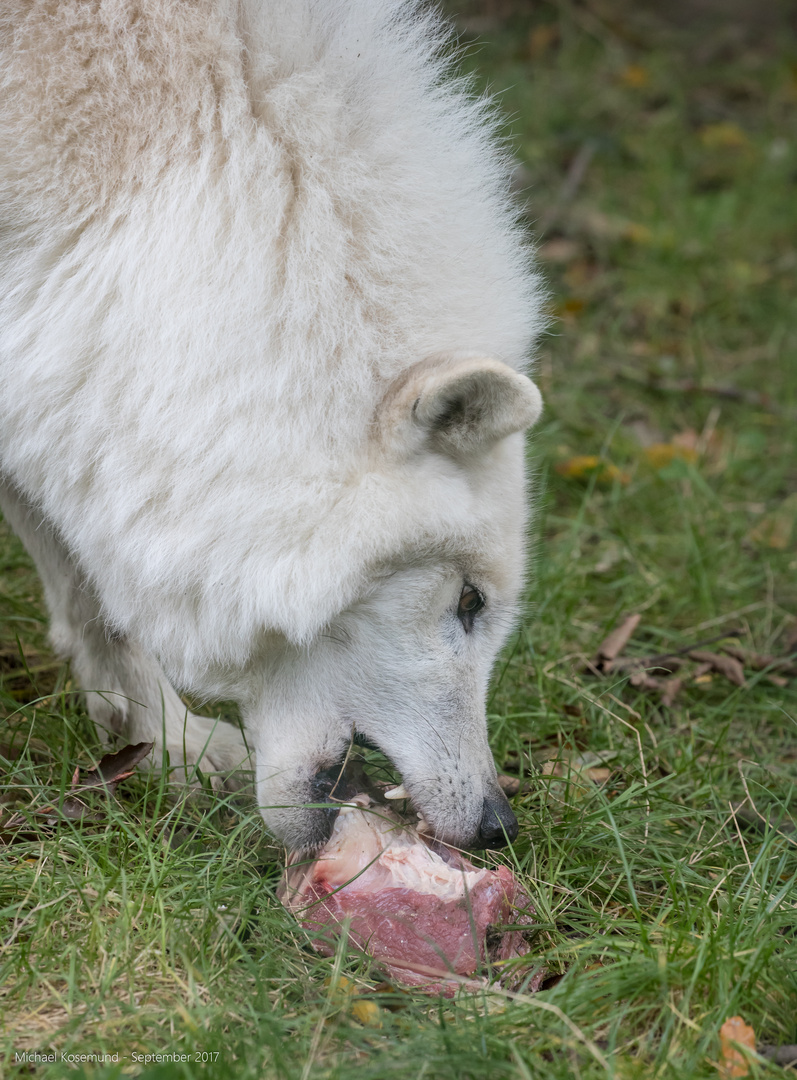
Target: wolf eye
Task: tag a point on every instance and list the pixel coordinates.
(471, 602)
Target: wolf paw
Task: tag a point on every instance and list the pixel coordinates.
(208, 746)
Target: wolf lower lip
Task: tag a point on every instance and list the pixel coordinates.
(347, 778)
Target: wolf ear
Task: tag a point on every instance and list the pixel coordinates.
(458, 405)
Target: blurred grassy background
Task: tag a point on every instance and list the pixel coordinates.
(657, 164)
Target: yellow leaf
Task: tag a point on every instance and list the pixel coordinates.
(637, 234)
(733, 1034)
(634, 76)
(367, 1012)
(541, 38)
(659, 455)
(723, 136)
(340, 990)
(585, 466)
(569, 308)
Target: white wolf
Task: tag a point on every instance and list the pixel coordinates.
(264, 312)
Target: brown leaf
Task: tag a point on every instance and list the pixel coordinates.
(778, 680)
(611, 647)
(642, 681)
(759, 661)
(671, 688)
(113, 768)
(728, 666)
(586, 466)
(580, 772)
(658, 665)
(733, 1061)
(559, 250)
(634, 76)
(541, 38)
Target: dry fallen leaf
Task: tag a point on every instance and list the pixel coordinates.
(671, 688)
(585, 466)
(580, 772)
(541, 38)
(640, 680)
(569, 308)
(366, 1012)
(723, 136)
(598, 774)
(634, 76)
(637, 234)
(760, 661)
(659, 455)
(611, 647)
(728, 666)
(777, 680)
(733, 1061)
(559, 250)
(113, 768)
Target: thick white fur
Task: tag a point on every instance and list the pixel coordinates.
(231, 231)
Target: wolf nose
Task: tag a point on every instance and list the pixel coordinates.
(498, 825)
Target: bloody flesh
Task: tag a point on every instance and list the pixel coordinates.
(421, 909)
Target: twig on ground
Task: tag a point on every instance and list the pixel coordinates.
(761, 661)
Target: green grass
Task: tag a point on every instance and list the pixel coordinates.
(672, 266)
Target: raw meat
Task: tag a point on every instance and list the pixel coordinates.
(418, 907)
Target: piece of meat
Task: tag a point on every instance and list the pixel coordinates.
(418, 907)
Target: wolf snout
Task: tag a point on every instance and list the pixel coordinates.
(498, 825)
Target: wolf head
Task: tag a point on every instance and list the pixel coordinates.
(406, 664)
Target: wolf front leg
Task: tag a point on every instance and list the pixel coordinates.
(127, 694)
